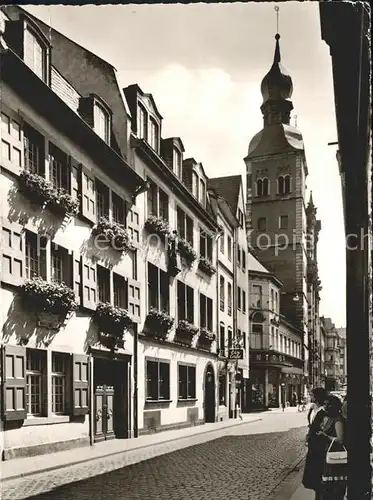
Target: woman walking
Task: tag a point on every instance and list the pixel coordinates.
(312, 476)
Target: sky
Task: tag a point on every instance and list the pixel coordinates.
(204, 65)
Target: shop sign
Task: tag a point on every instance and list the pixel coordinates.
(236, 353)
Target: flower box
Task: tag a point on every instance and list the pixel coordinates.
(158, 323)
(205, 265)
(112, 320)
(186, 251)
(43, 296)
(41, 191)
(206, 338)
(111, 341)
(116, 235)
(185, 332)
(158, 226)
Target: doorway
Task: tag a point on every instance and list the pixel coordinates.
(209, 396)
(111, 405)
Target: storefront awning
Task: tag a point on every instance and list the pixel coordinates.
(292, 369)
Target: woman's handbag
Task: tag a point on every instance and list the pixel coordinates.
(335, 469)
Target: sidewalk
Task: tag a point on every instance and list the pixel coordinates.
(303, 494)
(14, 469)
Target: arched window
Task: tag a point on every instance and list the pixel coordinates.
(280, 185)
(287, 184)
(265, 187)
(284, 184)
(222, 293)
(259, 187)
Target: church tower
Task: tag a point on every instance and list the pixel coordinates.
(276, 182)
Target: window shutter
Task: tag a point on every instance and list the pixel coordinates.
(89, 284)
(134, 299)
(12, 253)
(88, 195)
(14, 382)
(80, 384)
(77, 276)
(133, 224)
(190, 304)
(209, 314)
(11, 150)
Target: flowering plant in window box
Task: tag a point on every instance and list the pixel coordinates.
(62, 203)
(186, 331)
(111, 320)
(206, 334)
(157, 225)
(206, 266)
(114, 233)
(158, 323)
(35, 187)
(54, 298)
(186, 251)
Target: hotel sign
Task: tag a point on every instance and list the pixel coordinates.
(269, 358)
(235, 354)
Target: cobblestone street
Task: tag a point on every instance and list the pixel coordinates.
(245, 462)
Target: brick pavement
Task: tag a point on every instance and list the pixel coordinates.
(239, 465)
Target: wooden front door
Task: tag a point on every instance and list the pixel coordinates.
(104, 412)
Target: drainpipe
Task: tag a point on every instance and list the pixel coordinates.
(218, 236)
(135, 392)
(235, 234)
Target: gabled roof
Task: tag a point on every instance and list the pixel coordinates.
(146, 95)
(254, 265)
(229, 188)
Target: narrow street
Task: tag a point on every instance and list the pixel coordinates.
(246, 462)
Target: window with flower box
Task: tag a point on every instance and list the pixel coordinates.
(158, 289)
(157, 201)
(187, 382)
(36, 367)
(102, 200)
(59, 383)
(205, 312)
(103, 284)
(59, 170)
(184, 226)
(61, 265)
(185, 302)
(120, 290)
(157, 380)
(118, 209)
(34, 150)
(35, 261)
(205, 244)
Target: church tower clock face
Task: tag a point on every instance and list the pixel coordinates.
(276, 173)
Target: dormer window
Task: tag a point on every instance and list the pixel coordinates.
(202, 192)
(154, 134)
(101, 122)
(195, 184)
(35, 54)
(178, 163)
(142, 123)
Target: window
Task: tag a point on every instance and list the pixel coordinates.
(59, 172)
(118, 209)
(184, 226)
(230, 338)
(185, 302)
(262, 187)
(284, 184)
(157, 201)
(243, 261)
(35, 369)
(222, 293)
(102, 200)
(283, 221)
(239, 298)
(240, 217)
(229, 248)
(59, 378)
(205, 312)
(244, 301)
(158, 289)
(202, 192)
(11, 144)
(195, 185)
(60, 265)
(256, 299)
(222, 340)
(272, 300)
(34, 151)
(187, 382)
(101, 122)
(222, 243)
(120, 290)
(35, 256)
(256, 336)
(238, 256)
(142, 123)
(229, 299)
(205, 244)
(157, 380)
(35, 54)
(222, 389)
(262, 224)
(103, 284)
(133, 257)
(154, 134)
(178, 163)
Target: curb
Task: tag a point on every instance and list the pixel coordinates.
(92, 459)
(285, 488)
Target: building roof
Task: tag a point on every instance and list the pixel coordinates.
(275, 139)
(228, 188)
(254, 265)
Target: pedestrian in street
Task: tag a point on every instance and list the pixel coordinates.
(314, 465)
(332, 431)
